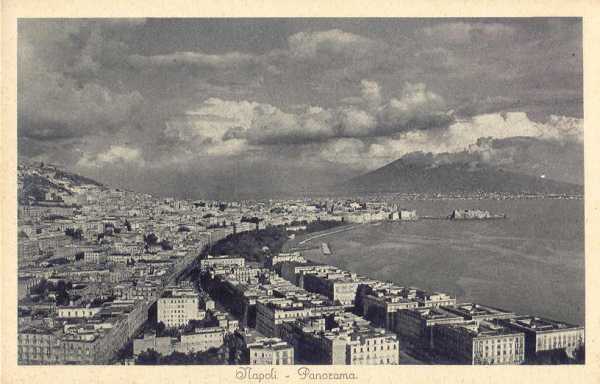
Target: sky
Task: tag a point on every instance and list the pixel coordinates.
(226, 108)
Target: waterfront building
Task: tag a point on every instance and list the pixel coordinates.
(416, 324)
(546, 335)
(478, 312)
(380, 306)
(435, 299)
(273, 260)
(407, 215)
(469, 214)
(294, 271)
(348, 339)
(479, 342)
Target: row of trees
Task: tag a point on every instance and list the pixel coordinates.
(559, 356)
(214, 356)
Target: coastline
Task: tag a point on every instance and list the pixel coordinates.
(486, 261)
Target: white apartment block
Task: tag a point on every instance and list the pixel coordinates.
(178, 306)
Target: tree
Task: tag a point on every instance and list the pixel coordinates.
(160, 328)
(177, 358)
(579, 355)
(148, 357)
(551, 357)
(151, 239)
(250, 245)
(254, 219)
(166, 245)
(41, 288)
(62, 298)
(76, 234)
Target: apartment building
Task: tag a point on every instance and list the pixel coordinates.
(178, 306)
(478, 312)
(339, 287)
(546, 335)
(416, 324)
(217, 262)
(479, 343)
(201, 339)
(270, 351)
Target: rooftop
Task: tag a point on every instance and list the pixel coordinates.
(539, 324)
(274, 343)
(434, 313)
(482, 328)
(475, 310)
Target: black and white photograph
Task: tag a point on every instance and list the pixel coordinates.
(300, 191)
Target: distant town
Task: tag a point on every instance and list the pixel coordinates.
(109, 276)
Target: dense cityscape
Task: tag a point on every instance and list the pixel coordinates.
(109, 276)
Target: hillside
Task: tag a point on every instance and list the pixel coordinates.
(41, 182)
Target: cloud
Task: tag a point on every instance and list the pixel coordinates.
(513, 124)
(466, 140)
(234, 133)
(371, 93)
(334, 42)
(349, 135)
(273, 126)
(265, 124)
(115, 154)
(464, 32)
(416, 108)
(226, 60)
(56, 107)
(354, 122)
(65, 95)
(214, 119)
(340, 95)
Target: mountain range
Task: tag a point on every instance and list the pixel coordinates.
(401, 176)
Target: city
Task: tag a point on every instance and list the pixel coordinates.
(111, 276)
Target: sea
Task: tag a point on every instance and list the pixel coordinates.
(531, 262)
